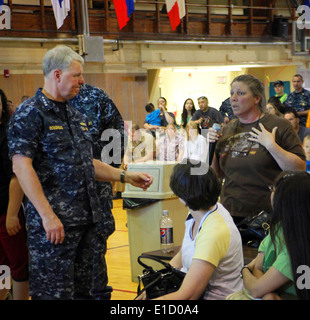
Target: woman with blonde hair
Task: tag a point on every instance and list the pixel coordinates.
(196, 146)
(170, 145)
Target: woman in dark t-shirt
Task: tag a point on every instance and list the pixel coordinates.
(253, 149)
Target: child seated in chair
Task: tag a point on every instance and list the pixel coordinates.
(211, 253)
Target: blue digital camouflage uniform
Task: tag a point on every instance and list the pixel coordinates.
(226, 109)
(60, 145)
(300, 102)
(102, 114)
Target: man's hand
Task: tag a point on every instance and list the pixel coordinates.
(29, 181)
(55, 232)
(139, 179)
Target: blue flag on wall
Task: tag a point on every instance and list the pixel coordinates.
(130, 7)
(306, 3)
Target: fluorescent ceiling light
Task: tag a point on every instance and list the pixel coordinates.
(219, 68)
(215, 68)
(187, 70)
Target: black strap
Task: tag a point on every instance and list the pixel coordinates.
(147, 286)
(146, 256)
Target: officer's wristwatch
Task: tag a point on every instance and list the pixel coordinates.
(122, 177)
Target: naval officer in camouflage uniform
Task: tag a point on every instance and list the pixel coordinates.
(107, 128)
(51, 150)
(299, 99)
(226, 110)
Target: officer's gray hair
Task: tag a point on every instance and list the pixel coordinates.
(60, 57)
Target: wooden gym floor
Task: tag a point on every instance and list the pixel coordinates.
(117, 257)
(118, 261)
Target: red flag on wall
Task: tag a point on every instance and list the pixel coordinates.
(176, 11)
(123, 9)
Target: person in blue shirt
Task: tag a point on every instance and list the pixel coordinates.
(153, 117)
(52, 152)
(299, 99)
(105, 122)
(226, 110)
(165, 117)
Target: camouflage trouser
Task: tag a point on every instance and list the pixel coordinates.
(100, 290)
(63, 271)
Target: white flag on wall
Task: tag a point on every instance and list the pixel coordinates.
(176, 11)
(61, 9)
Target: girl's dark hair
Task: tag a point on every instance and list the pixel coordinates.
(276, 101)
(184, 112)
(200, 192)
(291, 211)
(5, 116)
(163, 99)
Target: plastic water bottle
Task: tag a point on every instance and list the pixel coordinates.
(166, 232)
